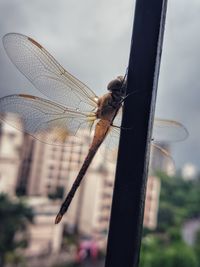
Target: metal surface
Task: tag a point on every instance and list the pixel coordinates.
(130, 185)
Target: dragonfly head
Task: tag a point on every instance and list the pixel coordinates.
(117, 85)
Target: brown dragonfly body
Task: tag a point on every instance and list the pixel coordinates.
(74, 109)
(108, 106)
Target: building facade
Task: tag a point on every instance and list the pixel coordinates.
(11, 143)
(46, 171)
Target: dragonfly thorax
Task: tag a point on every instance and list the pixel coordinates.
(108, 105)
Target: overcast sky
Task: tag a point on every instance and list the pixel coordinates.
(91, 39)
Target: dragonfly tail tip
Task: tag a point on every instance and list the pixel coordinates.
(58, 218)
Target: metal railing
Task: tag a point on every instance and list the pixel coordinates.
(131, 175)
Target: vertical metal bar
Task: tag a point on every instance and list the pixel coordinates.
(126, 222)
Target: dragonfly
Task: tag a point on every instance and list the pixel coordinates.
(71, 108)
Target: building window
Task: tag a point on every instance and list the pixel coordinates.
(11, 136)
(51, 167)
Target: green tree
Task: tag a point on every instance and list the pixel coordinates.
(164, 246)
(178, 255)
(13, 224)
(179, 197)
(155, 254)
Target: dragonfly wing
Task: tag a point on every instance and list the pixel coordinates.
(46, 121)
(161, 159)
(118, 118)
(111, 141)
(168, 131)
(46, 74)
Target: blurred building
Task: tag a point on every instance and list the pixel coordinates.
(44, 236)
(90, 210)
(51, 166)
(151, 202)
(25, 165)
(11, 142)
(190, 230)
(40, 170)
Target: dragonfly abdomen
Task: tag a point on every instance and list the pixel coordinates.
(101, 130)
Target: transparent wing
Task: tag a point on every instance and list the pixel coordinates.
(164, 131)
(161, 159)
(47, 74)
(118, 118)
(111, 141)
(46, 121)
(168, 131)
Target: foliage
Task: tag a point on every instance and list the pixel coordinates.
(15, 259)
(179, 201)
(21, 190)
(13, 224)
(179, 198)
(175, 255)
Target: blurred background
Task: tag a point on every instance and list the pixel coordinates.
(92, 41)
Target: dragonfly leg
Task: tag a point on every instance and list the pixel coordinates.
(133, 93)
(121, 128)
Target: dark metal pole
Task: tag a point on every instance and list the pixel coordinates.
(126, 222)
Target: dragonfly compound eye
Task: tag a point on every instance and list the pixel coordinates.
(115, 84)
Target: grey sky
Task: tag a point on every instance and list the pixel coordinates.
(91, 39)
